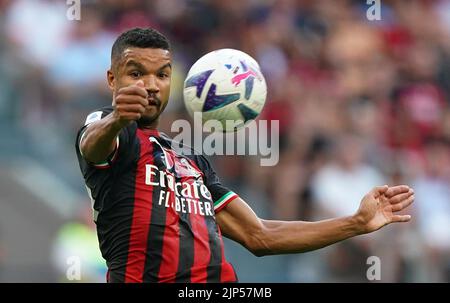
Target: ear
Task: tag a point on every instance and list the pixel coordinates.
(111, 79)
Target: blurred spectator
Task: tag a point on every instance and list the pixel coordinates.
(337, 189)
(76, 244)
(39, 28)
(340, 184)
(84, 60)
(432, 189)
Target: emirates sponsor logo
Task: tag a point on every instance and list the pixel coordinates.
(191, 196)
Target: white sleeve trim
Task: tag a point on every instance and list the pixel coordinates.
(105, 163)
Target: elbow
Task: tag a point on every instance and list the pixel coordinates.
(258, 243)
(259, 253)
(256, 250)
(86, 151)
(259, 250)
(92, 152)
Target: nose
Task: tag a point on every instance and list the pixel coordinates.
(151, 84)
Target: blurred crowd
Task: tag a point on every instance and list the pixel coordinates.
(360, 103)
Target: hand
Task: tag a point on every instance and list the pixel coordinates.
(377, 208)
(130, 103)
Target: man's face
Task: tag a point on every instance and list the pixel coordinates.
(153, 67)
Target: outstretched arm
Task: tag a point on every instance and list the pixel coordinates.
(267, 237)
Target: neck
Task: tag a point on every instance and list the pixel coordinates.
(148, 126)
(150, 130)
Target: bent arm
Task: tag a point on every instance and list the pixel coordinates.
(99, 139)
(267, 237)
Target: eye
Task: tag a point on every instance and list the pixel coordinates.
(135, 74)
(163, 75)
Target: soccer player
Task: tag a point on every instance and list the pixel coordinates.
(160, 214)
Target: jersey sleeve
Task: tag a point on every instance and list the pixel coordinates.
(221, 195)
(120, 141)
(100, 180)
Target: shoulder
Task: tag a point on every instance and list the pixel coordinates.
(101, 113)
(98, 114)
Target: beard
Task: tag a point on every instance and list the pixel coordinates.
(148, 120)
(151, 119)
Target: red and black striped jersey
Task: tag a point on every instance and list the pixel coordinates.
(155, 209)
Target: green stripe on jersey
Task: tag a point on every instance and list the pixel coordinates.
(222, 200)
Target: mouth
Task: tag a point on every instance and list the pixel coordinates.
(153, 101)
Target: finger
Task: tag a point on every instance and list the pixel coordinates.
(403, 218)
(401, 197)
(132, 99)
(140, 83)
(130, 108)
(134, 90)
(403, 205)
(395, 190)
(379, 190)
(130, 116)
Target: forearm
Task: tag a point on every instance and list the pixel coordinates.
(282, 237)
(99, 139)
(265, 237)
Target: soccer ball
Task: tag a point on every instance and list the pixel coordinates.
(225, 85)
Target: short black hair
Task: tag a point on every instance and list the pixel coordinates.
(138, 37)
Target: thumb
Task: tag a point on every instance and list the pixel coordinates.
(140, 83)
(379, 190)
